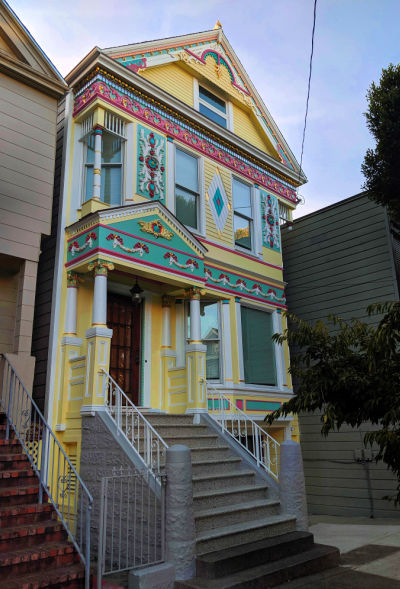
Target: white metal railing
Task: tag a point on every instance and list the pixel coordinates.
(258, 443)
(132, 522)
(134, 426)
(58, 478)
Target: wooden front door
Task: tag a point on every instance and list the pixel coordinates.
(124, 319)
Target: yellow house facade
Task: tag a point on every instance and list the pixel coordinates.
(168, 273)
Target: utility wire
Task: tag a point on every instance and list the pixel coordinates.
(309, 86)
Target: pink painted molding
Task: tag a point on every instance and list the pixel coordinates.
(99, 89)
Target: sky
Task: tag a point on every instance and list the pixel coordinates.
(354, 40)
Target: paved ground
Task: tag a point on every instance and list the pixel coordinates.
(370, 554)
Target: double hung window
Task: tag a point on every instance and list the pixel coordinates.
(210, 337)
(111, 168)
(187, 193)
(242, 214)
(258, 348)
(213, 107)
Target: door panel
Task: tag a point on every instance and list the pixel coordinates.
(124, 319)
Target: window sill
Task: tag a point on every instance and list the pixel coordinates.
(250, 253)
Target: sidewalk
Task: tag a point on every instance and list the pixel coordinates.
(370, 554)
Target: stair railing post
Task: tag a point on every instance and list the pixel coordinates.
(257, 442)
(87, 548)
(43, 463)
(8, 369)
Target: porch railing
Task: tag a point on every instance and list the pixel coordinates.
(245, 431)
(132, 522)
(134, 426)
(58, 478)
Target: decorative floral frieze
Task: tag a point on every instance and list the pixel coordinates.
(75, 248)
(139, 247)
(150, 115)
(270, 221)
(151, 164)
(245, 285)
(173, 261)
(156, 228)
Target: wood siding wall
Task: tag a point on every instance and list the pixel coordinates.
(338, 261)
(41, 324)
(27, 152)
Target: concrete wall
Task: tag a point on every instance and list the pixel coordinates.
(338, 260)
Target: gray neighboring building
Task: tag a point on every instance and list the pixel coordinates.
(339, 260)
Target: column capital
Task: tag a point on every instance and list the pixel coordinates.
(194, 293)
(100, 267)
(73, 279)
(166, 301)
(98, 129)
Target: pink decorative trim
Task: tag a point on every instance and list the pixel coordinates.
(233, 251)
(238, 275)
(172, 129)
(239, 404)
(100, 250)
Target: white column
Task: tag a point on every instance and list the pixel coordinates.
(101, 268)
(226, 342)
(98, 132)
(195, 326)
(166, 322)
(239, 338)
(279, 358)
(72, 300)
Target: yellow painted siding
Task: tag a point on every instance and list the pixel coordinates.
(173, 79)
(226, 237)
(248, 130)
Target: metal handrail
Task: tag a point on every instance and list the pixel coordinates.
(59, 480)
(131, 423)
(245, 431)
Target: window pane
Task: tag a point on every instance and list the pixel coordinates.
(186, 170)
(89, 182)
(111, 149)
(212, 115)
(90, 150)
(212, 359)
(212, 99)
(242, 198)
(258, 347)
(242, 229)
(186, 207)
(111, 185)
(209, 321)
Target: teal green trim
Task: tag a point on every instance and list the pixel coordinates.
(262, 405)
(215, 404)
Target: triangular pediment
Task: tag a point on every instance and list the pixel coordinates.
(20, 53)
(209, 55)
(147, 232)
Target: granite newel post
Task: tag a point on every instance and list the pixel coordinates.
(180, 530)
(292, 485)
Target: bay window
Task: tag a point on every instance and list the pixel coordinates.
(210, 337)
(242, 214)
(111, 168)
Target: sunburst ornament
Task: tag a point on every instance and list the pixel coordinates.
(218, 201)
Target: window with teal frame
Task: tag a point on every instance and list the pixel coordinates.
(258, 347)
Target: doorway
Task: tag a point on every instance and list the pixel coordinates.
(124, 319)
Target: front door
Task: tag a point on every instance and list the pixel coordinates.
(124, 319)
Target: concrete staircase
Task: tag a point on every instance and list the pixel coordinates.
(34, 550)
(242, 539)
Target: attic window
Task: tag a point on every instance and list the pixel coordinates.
(213, 107)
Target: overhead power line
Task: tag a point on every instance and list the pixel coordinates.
(309, 86)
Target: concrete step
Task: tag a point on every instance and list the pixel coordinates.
(210, 453)
(225, 480)
(180, 429)
(230, 496)
(215, 466)
(157, 419)
(239, 558)
(208, 440)
(218, 517)
(243, 533)
(271, 574)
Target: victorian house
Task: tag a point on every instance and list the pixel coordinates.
(168, 269)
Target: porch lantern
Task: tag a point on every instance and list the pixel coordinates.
(136, 293)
